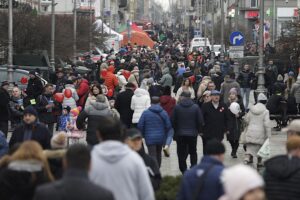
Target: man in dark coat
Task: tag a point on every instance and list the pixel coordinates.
(34, 87)
(4, 107)
(215, 114)
(187, 121)
(75, 183)
(123, 103)
(31, 130)
(282, 174)
(203, 181)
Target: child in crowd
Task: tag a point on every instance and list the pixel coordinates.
(65, 119)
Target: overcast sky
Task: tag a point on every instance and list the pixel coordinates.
(164, 3)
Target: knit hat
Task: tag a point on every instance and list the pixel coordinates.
(233, 91)
(214, 147)
(185, 94)
(133, 133)
(262, 97)
(215, 92)
(293, 126)
(122, 61)
(100, 98)
(32, 72)
(30, 110)
(238, 180)
(291, 73)
(279, 77)
(59, 141)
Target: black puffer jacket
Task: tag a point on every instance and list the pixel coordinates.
(4, 105)
(282, 177)
(34, 88)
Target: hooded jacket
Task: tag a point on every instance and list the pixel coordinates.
(93, 113)
(154, 125)
(122, 171)
(168, 103)
(282, 177)
(122, 104)
(226, 86)
(73, 99)
(139, 103)
(111, 80)
(166, 79)
(187, 109)
(258, 120)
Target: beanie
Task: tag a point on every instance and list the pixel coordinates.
(100, 98)
(279, 77)
(30, 110)
(214, 147)
(233, 91)
(238, 180)
(59, 141)
(262, 97)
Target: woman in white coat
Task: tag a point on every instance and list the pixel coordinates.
(71, 102)
(140, 101)
(185, 87)
(258, 130)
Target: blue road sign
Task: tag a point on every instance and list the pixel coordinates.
(237, 38)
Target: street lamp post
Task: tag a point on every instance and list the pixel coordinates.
(75, 33)
(222, 31)
(213, 32)
(261, 70)
(91, 26)
(10, 43)
(52, 59)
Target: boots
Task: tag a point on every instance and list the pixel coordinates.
(248, 159)
(259, 162)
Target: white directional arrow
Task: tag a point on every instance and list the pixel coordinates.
(238, 37)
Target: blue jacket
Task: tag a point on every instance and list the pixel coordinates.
(155, 125)
(212, 188)
(187, 119)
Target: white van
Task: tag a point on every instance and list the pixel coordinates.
(199, 42)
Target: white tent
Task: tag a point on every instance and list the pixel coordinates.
(108, 30)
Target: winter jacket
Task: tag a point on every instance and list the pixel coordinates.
(122, 104)
(282, 178)
(55, 160)
(134, 78)
(122, 171)
(111, 80)
(74, 185)
(295, 91)
(63, 121)
(82, 92)
(180, 90)
(245, 78)
(212, 187)
(258, 121)
(20, 179)
(93, 99)
(225, 88)
(34, 88)
(47, 116)
(234, 123)
(73, 99)
(4, 105)
(93, 114)
(187, 119)
(40, 133)
(3, 145)
(274, 104)
(140, 101)
(154, 125)
(168, 103)
(215, 121)
(16, 109)
(278, 88)
(166, 79)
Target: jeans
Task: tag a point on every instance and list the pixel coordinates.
(155, 152)
(4, 127)
(186, 145)
(245, 93)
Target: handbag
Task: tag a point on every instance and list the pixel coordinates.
(264, 151)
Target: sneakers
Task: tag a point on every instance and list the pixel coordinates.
(166, 151)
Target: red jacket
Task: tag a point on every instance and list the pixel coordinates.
(82, 92)
(111, 81)
(167, 103)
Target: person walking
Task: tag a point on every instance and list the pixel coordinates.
(215, 114)
(155, 125)
(140, 101)
(123, 102)
(75, 183)
(16, 105)
(82, 89)
(116, 167)
(245, 79)
(186, 131)
(31, 129)
(4, 107)
(258, 129)
(229, 82)
(34, 87)
(203, 181)
(295, 92)
(166, 79)
(70, 101)
(185, 87)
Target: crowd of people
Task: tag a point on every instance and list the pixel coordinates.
(129, 110)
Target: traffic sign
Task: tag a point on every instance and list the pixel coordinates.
(236, 51)
(237, 38)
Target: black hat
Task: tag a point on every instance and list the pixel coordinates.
(214, 147)
(68, 108)
(69, 82)
(30, 110)
(133, 133)
(130, 85)
(185, 94)
(4, 83)
(32, 72)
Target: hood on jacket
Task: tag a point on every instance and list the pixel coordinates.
(186, 102)
(99, 105)
(165, 71)
(26, 165)
(112, 151)
(282, 167)
(258, 109)
(140, 92)
(84, 81)
(156, 108)
(165, 99)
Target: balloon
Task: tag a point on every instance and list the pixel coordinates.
(68, 93)
(24, 80)
(103, 73)
(59, 97)
(235, 108)
(126, 73)
(110, 93)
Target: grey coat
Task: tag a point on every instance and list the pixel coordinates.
(226, 86)
(295, 91)
(166, 79)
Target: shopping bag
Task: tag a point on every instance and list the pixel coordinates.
(264, 151)
(243, 137)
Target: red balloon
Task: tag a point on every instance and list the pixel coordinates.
(68, 93)
(103, 73)
(24, 80)
(126, 74)
(59, 97)
(110, 93)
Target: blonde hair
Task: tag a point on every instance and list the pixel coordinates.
(29, 150)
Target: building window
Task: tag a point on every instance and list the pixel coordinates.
(253, 4)
(45, 8)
